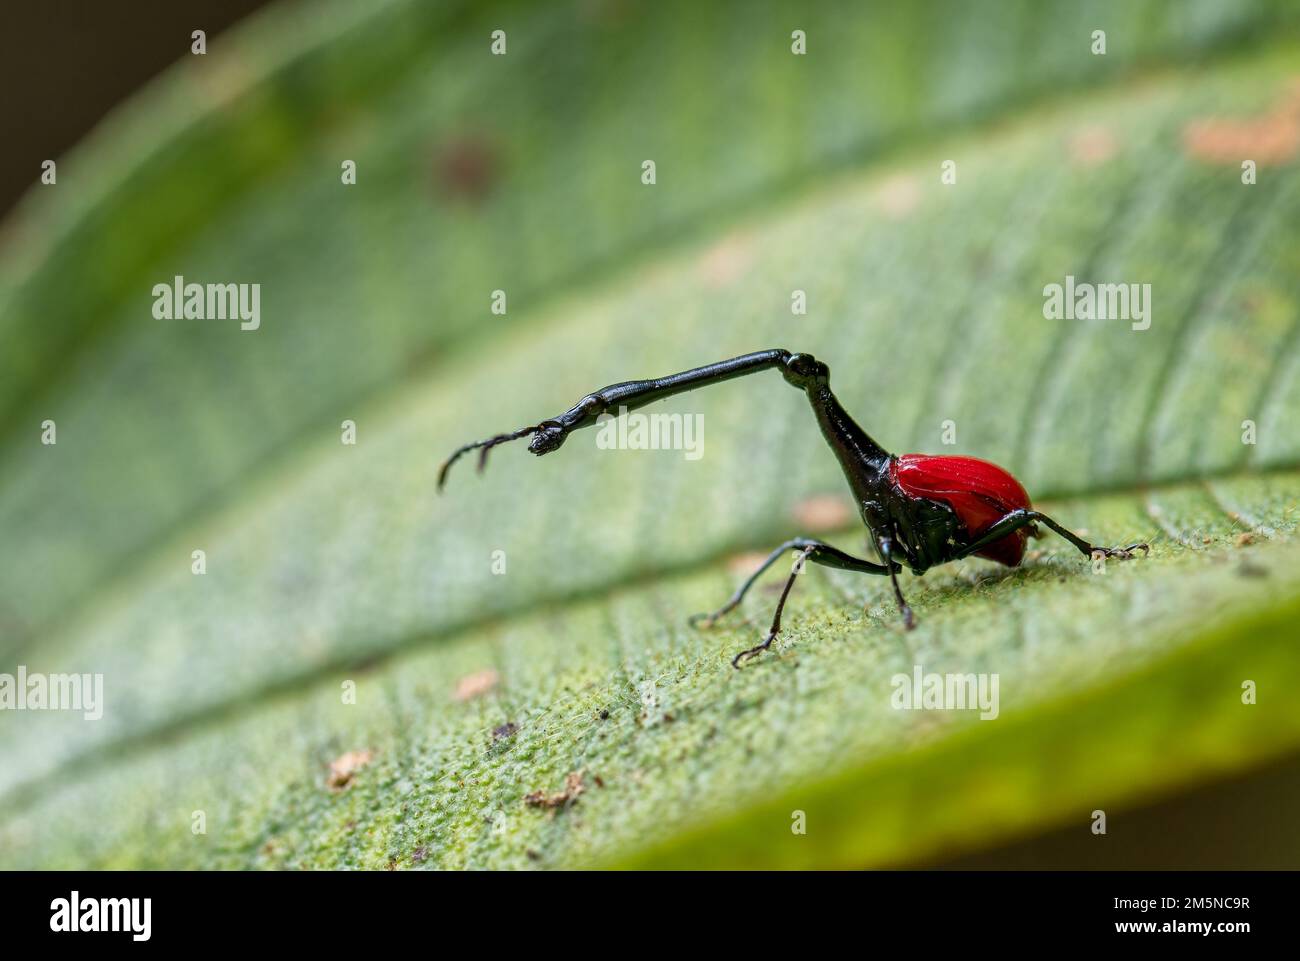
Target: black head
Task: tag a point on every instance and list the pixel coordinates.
(805, 372)
(549, 437)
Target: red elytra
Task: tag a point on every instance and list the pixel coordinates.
(981, 493)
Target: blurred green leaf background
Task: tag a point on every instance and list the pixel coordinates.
(329, 563)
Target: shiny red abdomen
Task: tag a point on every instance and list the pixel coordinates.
(979, 492)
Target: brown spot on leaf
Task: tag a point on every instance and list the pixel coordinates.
(476, 685)
(745, 563)
(1092, 146)
(727, 261)
(467, 168)
(898, 196)
(822, 512)
(345, 767)
(1269, 139)
(572, 788)
(606, 13)
(1244, 538)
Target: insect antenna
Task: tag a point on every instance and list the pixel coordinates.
(482, 446)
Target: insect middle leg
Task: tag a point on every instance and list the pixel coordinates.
(809, 550)
(776, 618)
(816, 551)
(886, 547)
(1017, 519)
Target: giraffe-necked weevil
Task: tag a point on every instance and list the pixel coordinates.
(923, 509)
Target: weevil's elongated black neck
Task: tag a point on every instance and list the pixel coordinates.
(861, 458)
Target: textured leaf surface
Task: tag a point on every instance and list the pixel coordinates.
(328, 563)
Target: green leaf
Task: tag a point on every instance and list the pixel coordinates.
(329, 563)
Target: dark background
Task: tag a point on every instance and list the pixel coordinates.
(64, 64)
